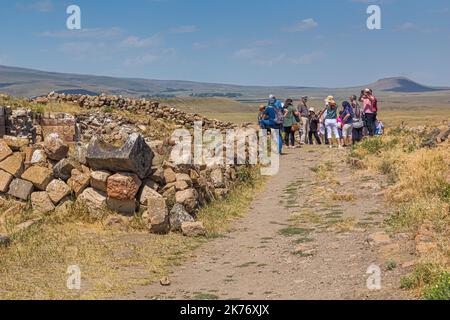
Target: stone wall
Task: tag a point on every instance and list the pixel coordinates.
(148, 107)
(129, 179)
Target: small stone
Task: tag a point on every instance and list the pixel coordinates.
(178, 215)
(99, 180)
(126, 207)
(41, 202)
(165, 282)
(13, 165)
(5, 240)
(58, 190)
(217, 178)
(193, 229)
(21, 189)
(184, 178)
(55, 148)
(188, 198)
(123, 186)
(169, 176)
(157, 215)
(5, 151)
(5, 180)
(63, 169)
(94, 200)
(305, 250)
(40, 177)
(181, 185)
(148, 187)
(78, 182)
(38, 157)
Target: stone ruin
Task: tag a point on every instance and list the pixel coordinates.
(46, 163)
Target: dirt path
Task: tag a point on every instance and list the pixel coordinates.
(298, 240)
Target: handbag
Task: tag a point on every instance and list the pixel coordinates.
(295, 128)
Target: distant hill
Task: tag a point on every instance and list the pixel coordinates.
(29, 83)
(400, 84)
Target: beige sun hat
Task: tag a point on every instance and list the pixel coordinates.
(312, 109)
(330, 100)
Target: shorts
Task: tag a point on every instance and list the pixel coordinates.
(347, 131)
(332, 128)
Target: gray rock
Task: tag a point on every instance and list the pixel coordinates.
(178, 215)
(63, 169)
(134, 156)
(126, 207)
(5, 240)
(21, 189)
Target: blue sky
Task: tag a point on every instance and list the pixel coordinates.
(261, 42)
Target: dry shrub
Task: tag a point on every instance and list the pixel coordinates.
(421, 175)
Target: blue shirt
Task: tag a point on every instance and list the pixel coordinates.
(348, 111)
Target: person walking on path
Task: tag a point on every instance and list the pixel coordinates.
(358, 120)
(290, 123)
(368, 101)
(304, 115)
(314, 123)
(331, 122)
(347, 124)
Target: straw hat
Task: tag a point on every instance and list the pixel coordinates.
(330, 100)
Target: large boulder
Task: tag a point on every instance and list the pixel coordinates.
(20, 189)
(55, 148)
(13, 165)
(5, 180)
(41, 202)
(40, 177)
(58, 190)
(157, 214)
(123, 186)
(178, 215)
(134, 156)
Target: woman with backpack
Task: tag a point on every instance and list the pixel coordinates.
(358, 120)
(290, 123)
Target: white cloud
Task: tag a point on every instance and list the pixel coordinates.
(407, 26)
(136, 42)
(141, 60)
(260, 57)
(39, 6)
(83, 33)
(184, 29)
(301, 26)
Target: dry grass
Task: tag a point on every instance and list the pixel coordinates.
(419, 191)
(113, 258)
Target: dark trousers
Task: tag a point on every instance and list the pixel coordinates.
(357, 135)
(289, 136)
(314, 134)
(370, 123)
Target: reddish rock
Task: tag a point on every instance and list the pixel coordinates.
(123, 186)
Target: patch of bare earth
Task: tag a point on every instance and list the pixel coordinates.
(312, 233)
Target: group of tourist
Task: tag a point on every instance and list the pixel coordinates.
(335, 126)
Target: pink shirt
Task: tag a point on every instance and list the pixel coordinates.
(368, 106)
